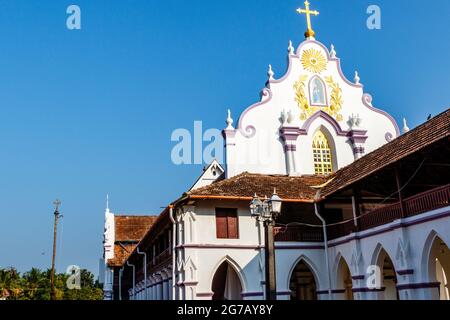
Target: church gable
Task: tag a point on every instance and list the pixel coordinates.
(312, 95)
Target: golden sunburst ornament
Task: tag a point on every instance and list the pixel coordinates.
(314, 61)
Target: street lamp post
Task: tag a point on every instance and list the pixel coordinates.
(267, 210)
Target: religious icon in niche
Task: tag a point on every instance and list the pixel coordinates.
(318, 100)
(317, 92)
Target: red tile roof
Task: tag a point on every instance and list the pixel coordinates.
(245, 185)
(129, 230)
(132, 228)
(432, 131)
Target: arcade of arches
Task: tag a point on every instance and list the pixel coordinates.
(226, 284)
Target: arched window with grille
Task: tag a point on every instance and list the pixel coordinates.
(323, 162)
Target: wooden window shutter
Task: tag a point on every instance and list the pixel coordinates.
(227, 223)
(232, 223)
(221, 224)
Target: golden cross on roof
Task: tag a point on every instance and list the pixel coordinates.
(309, 32)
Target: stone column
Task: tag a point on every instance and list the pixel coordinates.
(358, 139)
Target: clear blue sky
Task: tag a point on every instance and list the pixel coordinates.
(90, 112)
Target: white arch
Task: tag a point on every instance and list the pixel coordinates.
(235, 266)
(337, 265)
(311, 267)
(379, 256)
(427, 273)
(376, 255)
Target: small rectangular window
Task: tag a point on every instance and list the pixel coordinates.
(227, 226)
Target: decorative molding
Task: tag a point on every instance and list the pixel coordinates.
(325, 116)
(290, 134)
(297, 247)
(365, 289)
(388, 137)
(205, 294)
(424, 285)
(332, 291)
(252, 294)
(357, 136)
(367, 101)
(400, 224)
(336, 59)
(405, 272)
(250, 131)
(290, 147)
(187, 284)
(283, 293)
(219, 246)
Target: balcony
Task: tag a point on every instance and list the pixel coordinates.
(298, 234)
(420, 203)
(155, 264)
(415, 205)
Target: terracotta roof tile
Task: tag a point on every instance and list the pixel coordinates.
(129, 230)
(433, 130)
(121, 253)
(132, 228)
(245, 185)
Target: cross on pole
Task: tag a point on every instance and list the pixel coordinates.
(309, 32)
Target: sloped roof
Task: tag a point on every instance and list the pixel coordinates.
(129, 230)
(121, 253)
(132, 228)
(432, 131)
(245, 185)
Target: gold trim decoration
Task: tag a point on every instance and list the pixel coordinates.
(314, 61)
(336, 98)
(300, 97)
(332, 109)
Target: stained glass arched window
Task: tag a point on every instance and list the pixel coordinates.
(322, 154)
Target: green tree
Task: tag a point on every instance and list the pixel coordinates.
(35, 285)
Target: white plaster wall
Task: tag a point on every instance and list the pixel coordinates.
(263, 152)
(407, 247)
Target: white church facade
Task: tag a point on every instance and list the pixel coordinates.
(365, 209)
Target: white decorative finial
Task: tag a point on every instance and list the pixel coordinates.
(290, 48)
(357, 78)
(229, 121)
(270, 72)
(107, 202)
(332, 52)
(355, 121)
(290, 117)
(283, 117)
(405, 126)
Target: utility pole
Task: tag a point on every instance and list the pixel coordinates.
(57, 203)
